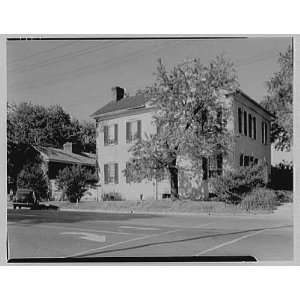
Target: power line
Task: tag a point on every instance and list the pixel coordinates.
(110, 62)
(40, 53)
(57, 59)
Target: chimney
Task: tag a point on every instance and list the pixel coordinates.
(68, 147)
(117, 93)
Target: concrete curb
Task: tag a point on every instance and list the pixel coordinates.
(165, 213)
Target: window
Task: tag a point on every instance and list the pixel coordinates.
(215, 165)
(255, 161)
(251, 160)
(254, 127)
(250, 125)
(242, 160)
(111, 173)
(264, 133)
(240, 117)
(245, 123)
(110, 134)
(133, 131)
(204, 168)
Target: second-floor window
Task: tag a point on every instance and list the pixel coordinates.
(133, 131)
(264, 133)
(110, 134)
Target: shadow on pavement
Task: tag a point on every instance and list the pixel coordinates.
(52, 215)
(178, 241)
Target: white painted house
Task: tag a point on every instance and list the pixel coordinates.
(125, 119)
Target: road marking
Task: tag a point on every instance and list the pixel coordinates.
(123, 242)
(140, 228)
(84, 230)
(87, 236)
(230, 242)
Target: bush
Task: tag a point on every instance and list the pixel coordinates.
(74, 181)
(232, 185)
(284, 196)
(260, 199)
(33, 177)
(112, 196)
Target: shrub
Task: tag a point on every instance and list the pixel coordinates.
(284, 196)
(232, 185)
(112, 196)
(33, 177)
(260, 199)
(74, 181)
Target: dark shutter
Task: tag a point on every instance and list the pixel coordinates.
(219, 164)
(116, 133)
(105, 135)
(128, 132)
(250, 125)
(254, 128)
(139, 129)
(245, 123)
(116, 174)
(240, 119)
(266, 133)
(204, 168)
(262, 132)
(241, 160)
(246, 161)
(106, 174)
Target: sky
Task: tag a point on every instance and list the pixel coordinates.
(79, 74)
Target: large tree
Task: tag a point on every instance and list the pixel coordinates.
(190, 119)
(279, 101)
(35, 125)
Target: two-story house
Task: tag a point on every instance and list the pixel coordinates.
(125, 119)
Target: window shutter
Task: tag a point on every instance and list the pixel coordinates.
(219, 163)
(262, 132)
(254, 127)
(241, 160)
(106, 174)
(139, 129)
(128, 127)
(250, 125)
(116, 133)
(240, 119)
(105, 135)
(116, 174)
(266, 133)
(245, 123)
(204, 168)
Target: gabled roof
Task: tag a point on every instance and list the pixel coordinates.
(59, 155)
(125, 103)
(139, 101)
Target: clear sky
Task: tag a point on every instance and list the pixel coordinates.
(79, 74)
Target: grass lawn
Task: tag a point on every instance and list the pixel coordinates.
(166, 205)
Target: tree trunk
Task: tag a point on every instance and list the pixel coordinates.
(174, 180)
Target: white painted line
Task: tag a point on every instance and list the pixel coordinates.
(86, 229)
(124, 242)
(87, 236)
(140, 228)
(230, 242)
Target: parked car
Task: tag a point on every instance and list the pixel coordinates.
(25, 198)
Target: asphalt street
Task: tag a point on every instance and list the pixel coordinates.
(60, 234)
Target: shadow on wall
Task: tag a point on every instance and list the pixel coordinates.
(282, 177)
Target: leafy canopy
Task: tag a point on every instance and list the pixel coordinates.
(279, 101)
(190, 116)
